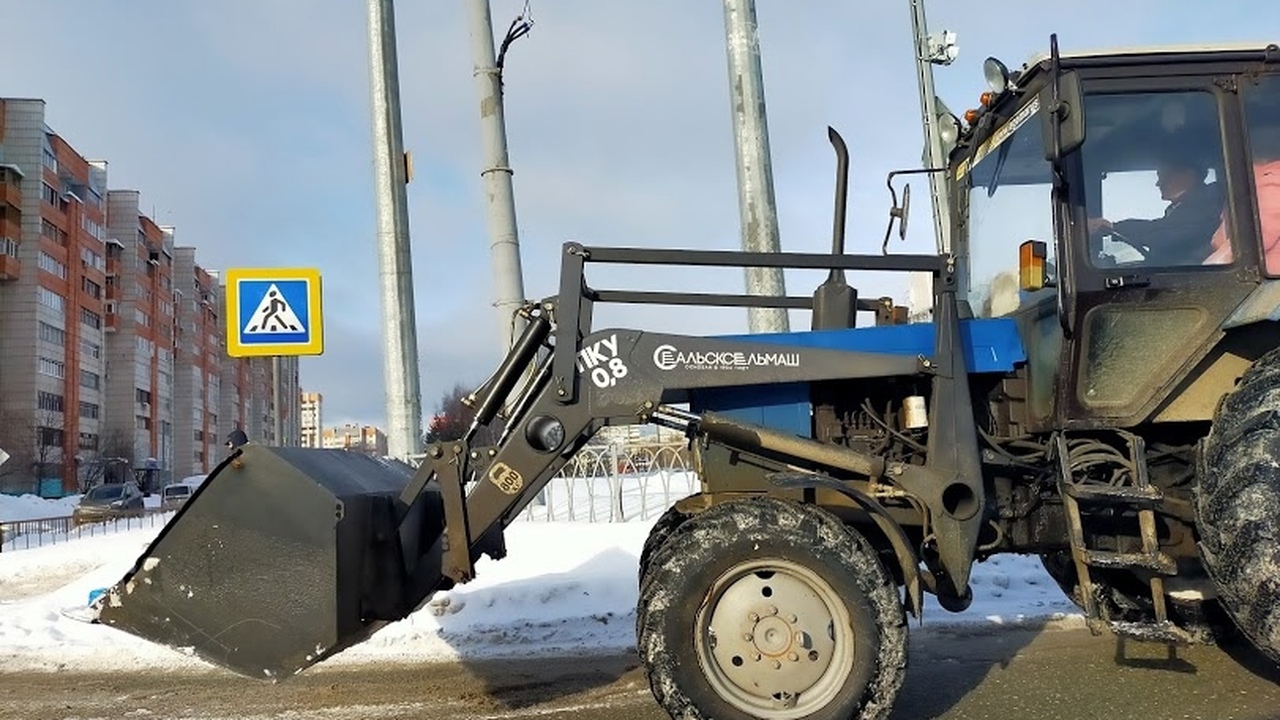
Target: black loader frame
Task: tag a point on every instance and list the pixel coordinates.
(563, 396)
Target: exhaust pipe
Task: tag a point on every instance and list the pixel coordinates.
(835, 304)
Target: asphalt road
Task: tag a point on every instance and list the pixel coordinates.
(1047, 674)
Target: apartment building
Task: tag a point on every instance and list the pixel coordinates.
(312, 420)
(112, 349)
(140, 319)
(198, 356)
(359, 438)
(52, 217)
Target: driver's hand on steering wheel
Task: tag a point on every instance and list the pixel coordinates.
(1098, 224)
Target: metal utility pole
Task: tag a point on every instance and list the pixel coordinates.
(500, 203)
(399, 324)
(929, 51)
(756, 203)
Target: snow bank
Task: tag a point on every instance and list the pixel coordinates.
(33, 507)
(563, 588)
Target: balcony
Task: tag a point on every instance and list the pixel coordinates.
(10, 267)
(11, 194)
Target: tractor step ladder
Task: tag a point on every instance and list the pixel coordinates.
(1144, 496)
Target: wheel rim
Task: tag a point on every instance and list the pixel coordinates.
(774, 639)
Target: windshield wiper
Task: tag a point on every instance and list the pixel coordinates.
(1001, 155)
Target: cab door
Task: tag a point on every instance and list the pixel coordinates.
(1141, 315)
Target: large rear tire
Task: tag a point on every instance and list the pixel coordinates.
(1238, 504)
(662, 529)
(762, 608)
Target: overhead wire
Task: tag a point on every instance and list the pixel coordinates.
(519, 27)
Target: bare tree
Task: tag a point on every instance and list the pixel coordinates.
(16, 475)
(113, 463)
(35, 445)
(48, 440)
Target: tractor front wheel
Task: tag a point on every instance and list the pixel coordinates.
(1238, 504)
(764, 608)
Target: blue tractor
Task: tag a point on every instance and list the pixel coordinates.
(1099, 385)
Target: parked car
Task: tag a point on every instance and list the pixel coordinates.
(107, 502)
(174, 496)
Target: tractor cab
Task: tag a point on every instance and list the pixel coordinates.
(1125, 210)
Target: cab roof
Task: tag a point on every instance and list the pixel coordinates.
(1251, 50)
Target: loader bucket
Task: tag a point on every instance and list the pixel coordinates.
(283, 557)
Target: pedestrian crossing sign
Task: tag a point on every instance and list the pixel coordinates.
(273, 311)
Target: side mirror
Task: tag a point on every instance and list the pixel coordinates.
(904, 213)
(898, 213)
(1061, 109)
(1066, 115)
(1032, 273)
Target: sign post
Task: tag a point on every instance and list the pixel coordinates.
(272, 312)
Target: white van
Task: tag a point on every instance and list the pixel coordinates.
(173, 496)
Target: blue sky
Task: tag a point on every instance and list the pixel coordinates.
(246, 125)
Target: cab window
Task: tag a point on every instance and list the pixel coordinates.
(1262, 117)
(1009, 187)
(1152, 166)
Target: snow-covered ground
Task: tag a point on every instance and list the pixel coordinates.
(565, 587)
(14, 508)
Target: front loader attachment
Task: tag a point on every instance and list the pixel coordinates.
(283, 557)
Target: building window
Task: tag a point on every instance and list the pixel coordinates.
(141, 318)
(88, 441)
(89, 410)
(90, 349)
(93, 228)
(91, 288)
(50, 437)
(50, 264)
(49, 160)
(91, 318)
(144, 422)
(52, 196)
(142, 396)
(51, 300)
(91, 380)
(52, 368)
(51, 334)
(49, 401)
(53, 232)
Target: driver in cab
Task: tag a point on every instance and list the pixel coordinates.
(1182, 236)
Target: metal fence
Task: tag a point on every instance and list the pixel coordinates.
(617, 483)
(27, 534)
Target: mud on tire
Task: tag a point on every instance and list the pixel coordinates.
(725, 560)
(662, 529)
(1238, 504)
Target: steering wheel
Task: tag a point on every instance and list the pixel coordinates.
(1108, 260)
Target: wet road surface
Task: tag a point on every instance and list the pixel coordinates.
(1048, 674)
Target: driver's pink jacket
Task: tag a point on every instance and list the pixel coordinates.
(1267, 180)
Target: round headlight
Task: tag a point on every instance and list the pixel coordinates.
(997, 75)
